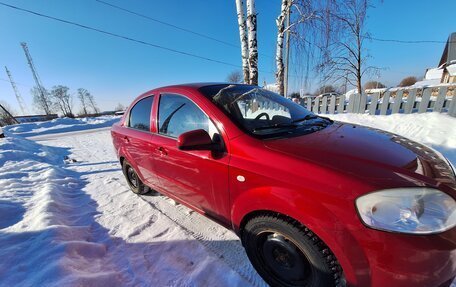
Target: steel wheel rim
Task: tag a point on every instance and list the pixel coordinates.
(283, 259)
(132, 177)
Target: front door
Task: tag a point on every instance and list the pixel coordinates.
(199, 178)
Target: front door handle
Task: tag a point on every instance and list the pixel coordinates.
(126, 139)
(162, 151)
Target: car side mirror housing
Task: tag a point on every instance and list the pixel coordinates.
(195, 140)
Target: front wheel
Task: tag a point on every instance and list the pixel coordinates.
(287, 254)
(133, 180)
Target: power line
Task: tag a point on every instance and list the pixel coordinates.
(127, 38)
(168, 24)
(177, 27)
(118, 35)
(407, 41)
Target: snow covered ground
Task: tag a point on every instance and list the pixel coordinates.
(74, 221)
(61, 125)
(77, 223)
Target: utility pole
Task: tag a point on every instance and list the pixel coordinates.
(287, 54)
(16, 92)
(35, 74)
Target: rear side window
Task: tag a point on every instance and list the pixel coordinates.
(177, 115)
(140, 114)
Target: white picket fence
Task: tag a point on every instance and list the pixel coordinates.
(441, 99)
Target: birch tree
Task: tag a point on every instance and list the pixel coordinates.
(306, 29)
(280, 73)
(243, 39)
(252, 41)
(347, 57)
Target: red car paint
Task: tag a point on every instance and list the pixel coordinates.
(313, 178)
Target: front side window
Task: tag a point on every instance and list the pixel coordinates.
(139, 117)
(177, 115)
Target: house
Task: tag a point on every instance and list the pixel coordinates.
(449, 74)
(448, 60)
(446, 69)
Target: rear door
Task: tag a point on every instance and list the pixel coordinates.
(138, 140)
(199, 178)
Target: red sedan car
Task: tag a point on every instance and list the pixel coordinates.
(315, 202)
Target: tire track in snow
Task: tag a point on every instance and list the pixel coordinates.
(217, 240)
(190, 225)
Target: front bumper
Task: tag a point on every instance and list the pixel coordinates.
(399, 260)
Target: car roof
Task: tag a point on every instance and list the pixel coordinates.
(201, 85)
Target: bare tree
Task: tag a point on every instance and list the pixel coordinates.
(346, 57)
(42, 100)
(408, 81)
(252, 41)
(305, 28)
(62, 100)
(82, 95)
(281, 29)
(92, 103)
(119, 107)
(373, 85)
(325, 89)
(297, 18)
(248, 37)
(234, 77)
(243, 39)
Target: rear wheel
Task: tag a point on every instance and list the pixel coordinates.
(133, 180)
(286, 254)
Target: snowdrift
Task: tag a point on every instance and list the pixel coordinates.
(60, 125)
(46, 221)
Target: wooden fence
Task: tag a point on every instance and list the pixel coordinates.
(441, 99)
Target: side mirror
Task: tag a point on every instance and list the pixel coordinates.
(195, 140)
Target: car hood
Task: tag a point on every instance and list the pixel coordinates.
(386, 158)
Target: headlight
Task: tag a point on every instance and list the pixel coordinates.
(408, 210)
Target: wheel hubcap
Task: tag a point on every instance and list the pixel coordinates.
(284, 259)
(132, 178)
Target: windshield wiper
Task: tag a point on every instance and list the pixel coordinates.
(292, 124)
(307, 117)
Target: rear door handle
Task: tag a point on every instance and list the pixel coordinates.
(162, 151)
(126, 139)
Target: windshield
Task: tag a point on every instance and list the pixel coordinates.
(262, 113)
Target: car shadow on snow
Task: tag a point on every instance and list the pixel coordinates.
(63, 244)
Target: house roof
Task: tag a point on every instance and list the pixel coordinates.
(449, 53)
(433, 74)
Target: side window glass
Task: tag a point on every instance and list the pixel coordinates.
(177, 115)
(140, 114)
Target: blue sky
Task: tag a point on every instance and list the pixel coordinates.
(116, 71)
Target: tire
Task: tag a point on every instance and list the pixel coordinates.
(133, 180)
(287, 254)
